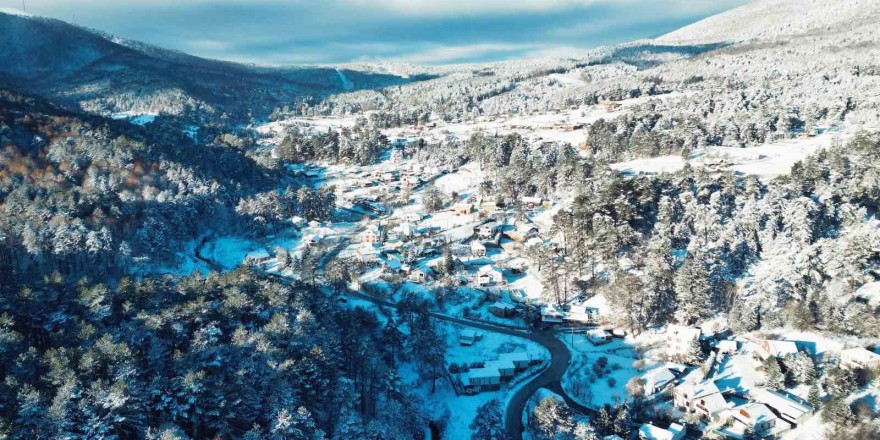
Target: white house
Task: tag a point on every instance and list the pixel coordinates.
(420, 274)
(702, 398)
(520, 359)
(777, 349)
(582, 314)
(760, 418)
(656, 380)
(788, 409)
(372, 234)
(489, 275)
(488, 230)
(598, 336)
(412, 217)
(481, 378)
(504, 366)
(727, 346)
(406, 229)
(859, 358)
(478, 249)
(650, 432)
(463, 208)
(257, 257)
(366, 254)
(680, 338)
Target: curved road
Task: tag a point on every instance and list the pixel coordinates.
(549, 378)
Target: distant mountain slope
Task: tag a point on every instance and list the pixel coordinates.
(104, 74)
(772, 19)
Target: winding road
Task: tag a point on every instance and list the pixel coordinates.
(550, 378)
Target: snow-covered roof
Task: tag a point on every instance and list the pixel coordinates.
(757, 413)
(658, 376)
(860, 354)
(502, 305)
(684, 333)
(781, 403)
(482, 373)
(516, 356)
(597, 333)
(501, 364)
(488, 268)
(650, 432)
(780, 348)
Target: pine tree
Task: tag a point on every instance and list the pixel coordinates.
(773, 374)
(488, 424)
(813, 398)
(692, 289)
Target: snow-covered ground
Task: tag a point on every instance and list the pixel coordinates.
(584, 384)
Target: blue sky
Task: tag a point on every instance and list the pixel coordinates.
(282, 32)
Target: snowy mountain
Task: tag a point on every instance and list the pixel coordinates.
(104, 74)
(776, 19)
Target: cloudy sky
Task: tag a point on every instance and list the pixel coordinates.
(416, 31)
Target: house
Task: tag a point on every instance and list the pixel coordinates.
(298, 221)
(478, 249)
(598, 336)
(502, 309)
(521, 360)
(713, 327)
(679, 339)
(489, 275)
(655, 380)
(420, 274)
(469, 337)
(789, 409)
(859, 358)
(702, 398)
(532, 202)
(551, 315)
(372, 234)
(366, 254)
(760, 418)
(412, 217)
(777, 349)
(481, 379)
(521, 231)
(582, 314)
(650, 432)
(313, 239)
(314, 224)
(463, 208)
(727, 346)
(505, 367)
(488, 230)
(258, 257)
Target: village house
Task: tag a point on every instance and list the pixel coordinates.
(372, 234)
(520, 359)
(489, 275)
(488, 230)
(469, 337)
(759, 417)
(777, 349)
(582, 314)
(406, 229)
(258, 257)
(650, 432)
(702, 398)
(551, 315)
(598, 336)
(532, 202)
(412, 217)
(505, 367)
(859, 358)
(298, 221)
(420, 274)
(790, 410)
(727, 346)
(521, 231)
(679, 339)
(463, 208)
(312, 240)
(656, 380)
(501, 309)
(481, 379)
(366, 254)
(478, 249)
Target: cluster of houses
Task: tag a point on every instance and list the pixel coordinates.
(490, 375)
(729, 413)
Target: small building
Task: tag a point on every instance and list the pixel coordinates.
(481, 379)
(505, 367)
(502, 309)
(298, 221)
(489, 275)
(258, 257)
(582, 314)
(859, 358)
(372, 234)
(478, 249)
(679, 339)
(366, 254)
(313, 239)
(727, 346)
(650, 432)
(412, 217)
(551, 315)
(521, 360)
(760, 418)
(656, 380)
(420, 274)
(488, 230)
(789, 409)
(777, 349)
(463, 208)
(598, 336)
(521, 231)
(469, 337)
(702, 398)
(532, 202)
